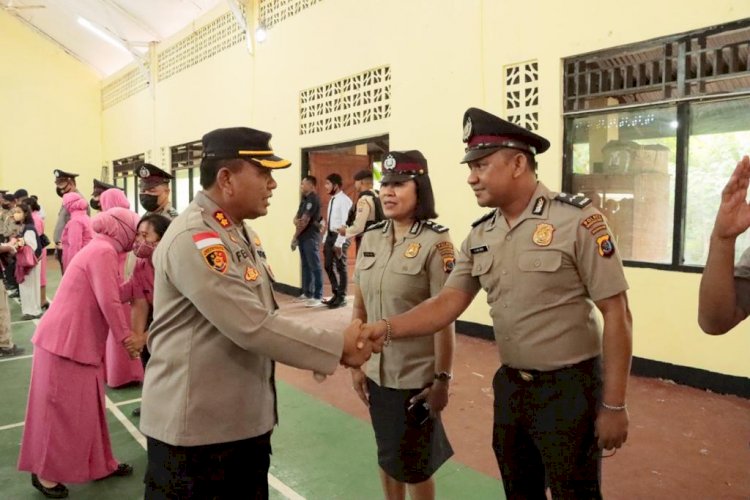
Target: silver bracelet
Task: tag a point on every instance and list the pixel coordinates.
(614, 408)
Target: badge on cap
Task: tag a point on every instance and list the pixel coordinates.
(389, 163)
(251, 274)
(543, 234)
(143, 172)
(412, 251)
(467, 129)
(606, 247)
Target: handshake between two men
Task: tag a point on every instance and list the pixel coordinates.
(360, 341)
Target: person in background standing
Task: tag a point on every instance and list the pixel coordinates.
(366, 212)
(336, 246)
(77, 232)
(65, 182)
(307, 237)
(155, 191)
(7, 348)
(27, 272)
(39, 226)
(99, 188)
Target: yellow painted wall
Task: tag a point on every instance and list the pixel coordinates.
(50, 116)
(445, 55)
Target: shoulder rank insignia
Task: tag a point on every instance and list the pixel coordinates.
(577, 200)
(435, 226)
(251, 274)
(213, 251)
(539, 205)
(379, 225)
(483, 218)
(222, 219)
(412, 251)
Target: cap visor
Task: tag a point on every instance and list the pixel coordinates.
(476, 154)
(271, 161)
(388, 178)
(151, 184)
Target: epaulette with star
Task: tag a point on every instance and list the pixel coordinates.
(379, 225)
(577, 200)
(483, 218)
(435, 226)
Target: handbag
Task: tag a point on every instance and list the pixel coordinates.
(44, 240)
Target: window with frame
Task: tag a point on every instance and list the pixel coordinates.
(125, 177)
(186, 160)
(652, 134)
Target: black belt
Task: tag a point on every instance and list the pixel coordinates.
(540, 376)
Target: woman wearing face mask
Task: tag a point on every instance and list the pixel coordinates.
(120, 369)
(65, 438)
(27, 274)
(77, 231)
(403, 261)
(139, 289)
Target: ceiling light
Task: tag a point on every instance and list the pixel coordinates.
(101, 33)
(261, 34)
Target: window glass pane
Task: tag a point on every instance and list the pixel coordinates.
(182, 189)
(132, 190)
(625, 162)
(196, 180)
(719, 137)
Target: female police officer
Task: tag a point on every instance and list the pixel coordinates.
(403, 261)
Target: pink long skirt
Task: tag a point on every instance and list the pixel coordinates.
(66, 438)
(120, 369)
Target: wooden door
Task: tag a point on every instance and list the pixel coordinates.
(323, 164)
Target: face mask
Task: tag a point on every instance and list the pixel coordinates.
(95, 204)
(18, 217)
(144, 249)
(149, 202)
(60, 192)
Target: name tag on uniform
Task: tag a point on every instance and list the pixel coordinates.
(368, 254)
(480, 249)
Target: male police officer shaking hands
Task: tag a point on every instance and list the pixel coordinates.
(545, 261)
(209, 397)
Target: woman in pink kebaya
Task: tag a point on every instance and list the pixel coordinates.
(77, 231)
(66, 439)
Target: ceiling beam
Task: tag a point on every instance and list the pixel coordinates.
(114, 5)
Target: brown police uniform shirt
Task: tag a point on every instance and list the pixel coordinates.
(542, 277)
(365, 212)
(168, 212)
(393, 278)
(216, 332)
(742, 281)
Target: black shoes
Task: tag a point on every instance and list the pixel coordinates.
(122, 470)
(29, 317)
(136, 412)
(57, 491)
(336, 301)
(9, 352)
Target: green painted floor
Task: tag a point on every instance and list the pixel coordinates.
(319, 452)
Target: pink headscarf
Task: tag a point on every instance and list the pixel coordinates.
(113, 198)
(74, 202)
(119, 224)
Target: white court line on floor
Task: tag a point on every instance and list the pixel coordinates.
(12, 426)
(16, 358)
(129, 401)
(273, 481)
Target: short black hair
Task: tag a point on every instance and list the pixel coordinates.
(210, 168)
(335, 179)
(158, 222)
(311, 179)
(33, 203)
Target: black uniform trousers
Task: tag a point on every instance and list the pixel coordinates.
(223, 471)
(338, 285)
(544, 431)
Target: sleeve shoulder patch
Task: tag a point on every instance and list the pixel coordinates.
(577, 200)
(483, 218)
(435, 227)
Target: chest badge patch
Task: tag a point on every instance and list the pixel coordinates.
(543, 234)
(222, 218)
(412, 251)
(251, 274)
(256, 241)
(606, 247)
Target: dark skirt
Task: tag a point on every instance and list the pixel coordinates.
(408, 452)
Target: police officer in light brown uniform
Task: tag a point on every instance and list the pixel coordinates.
(546, 261)
(209, 398)
(366, 212)
(154, 190)
(403, 261)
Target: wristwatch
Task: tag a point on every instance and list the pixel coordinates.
(443, 376)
